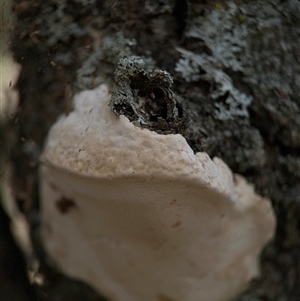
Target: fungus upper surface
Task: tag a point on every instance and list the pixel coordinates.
(139, 216)
(94, 142)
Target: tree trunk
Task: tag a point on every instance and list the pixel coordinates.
(236, 67)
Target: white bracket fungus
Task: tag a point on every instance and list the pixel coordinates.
(140, 217)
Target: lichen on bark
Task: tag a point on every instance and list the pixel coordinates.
(235, 68)
(146, 98)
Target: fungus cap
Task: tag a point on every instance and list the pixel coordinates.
(139, 216)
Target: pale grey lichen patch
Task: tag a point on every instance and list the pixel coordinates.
(58, 24)
(222, 35)
(254, 41)
(236, 102)
(145, 97)
(158, 7)
(234, 140)
(87, 77)
(100, 65)
(117, 46)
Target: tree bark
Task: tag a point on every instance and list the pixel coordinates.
(236, 67)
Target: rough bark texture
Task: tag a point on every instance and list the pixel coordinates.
(236, 67)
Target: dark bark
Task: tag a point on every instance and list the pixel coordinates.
(14, 284)
(250, 117)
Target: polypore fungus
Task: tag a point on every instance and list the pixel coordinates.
(139, 216)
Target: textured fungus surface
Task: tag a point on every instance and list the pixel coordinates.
(139, 216)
